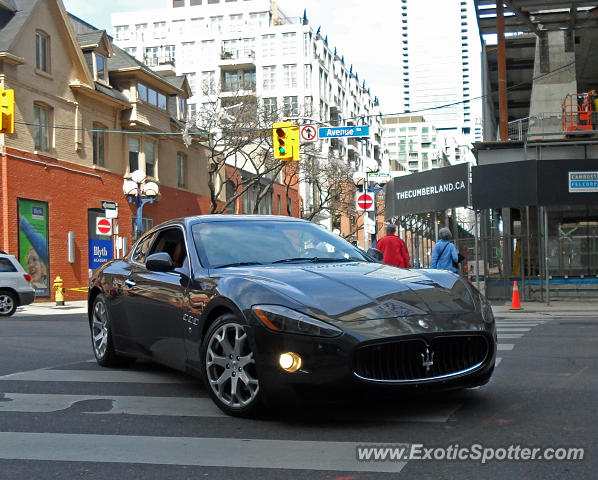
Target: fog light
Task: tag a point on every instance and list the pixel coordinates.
(291, 362)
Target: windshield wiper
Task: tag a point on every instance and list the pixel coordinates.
(237, 264)
(316, 260)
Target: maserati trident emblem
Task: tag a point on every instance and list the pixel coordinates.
(427, 359)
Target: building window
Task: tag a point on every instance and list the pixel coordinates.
(291, 106)
(151, 96)
(195, 2)
(98, 144)
(231, 81)
(42, 118)
(236, 23)
(178, 3)
(289, 43)
(269, 74)
(131, 51)
(181, 108)
(290, 76)
(259, 20)
(122, 32)
(307, 77)
(140, 31)
(270, 107)
(101, 73)
(133, 154)
(216, 24)
(150, 158)
(268, 45)
(208, 82)
(181, 169)
(306, 44)
(159, 30)
(42, 52)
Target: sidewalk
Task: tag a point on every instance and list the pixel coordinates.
(557, 308)
(50, 308)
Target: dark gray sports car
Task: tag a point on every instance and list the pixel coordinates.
(263, 308)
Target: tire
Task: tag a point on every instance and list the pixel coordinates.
(101, 336)
(229, 369)
(8, 304)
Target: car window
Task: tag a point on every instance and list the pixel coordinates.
(171, 241)
(141, 252)
(232, 242)
(6, 265)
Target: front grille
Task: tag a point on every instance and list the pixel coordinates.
(404, 360)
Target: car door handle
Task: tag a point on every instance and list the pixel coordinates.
(130, 283)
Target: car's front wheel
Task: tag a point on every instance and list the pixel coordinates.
(229, 367)
(101, 335)
(8, 304)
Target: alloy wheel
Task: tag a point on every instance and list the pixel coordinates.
(100, 329)
(230, 366)
(7, 304)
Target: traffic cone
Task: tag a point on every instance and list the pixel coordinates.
(515, 303)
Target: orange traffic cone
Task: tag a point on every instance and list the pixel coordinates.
(515, 303)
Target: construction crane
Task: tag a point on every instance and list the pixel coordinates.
(578, 113)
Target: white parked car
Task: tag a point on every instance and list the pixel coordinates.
(15, 287)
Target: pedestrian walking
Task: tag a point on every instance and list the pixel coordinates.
(393, 248)
(444, 255)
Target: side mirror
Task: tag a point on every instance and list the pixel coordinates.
(375, 253)
(159, 262)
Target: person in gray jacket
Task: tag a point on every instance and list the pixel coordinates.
(444, 255)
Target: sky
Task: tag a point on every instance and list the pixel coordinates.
(367, 36)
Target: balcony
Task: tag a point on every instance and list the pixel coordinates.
(163, 64)
(236, 58)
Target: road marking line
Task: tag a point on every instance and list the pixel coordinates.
(497, 362)
(214, 452)
(505, 346)
(508, 336)
(513, 329)
(109, 376)
(198, 407)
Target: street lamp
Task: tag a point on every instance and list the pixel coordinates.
(140, 192)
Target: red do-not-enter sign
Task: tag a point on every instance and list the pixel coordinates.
(103, 226)
(365, 201)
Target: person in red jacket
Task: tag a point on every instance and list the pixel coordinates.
(394, 248)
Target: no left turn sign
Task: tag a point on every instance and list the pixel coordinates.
(309, 133)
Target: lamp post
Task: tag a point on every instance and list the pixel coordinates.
(140, 192)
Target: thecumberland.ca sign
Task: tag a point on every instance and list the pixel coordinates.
(429, 191)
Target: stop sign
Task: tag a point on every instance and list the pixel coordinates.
(103, 226)
(365, 201)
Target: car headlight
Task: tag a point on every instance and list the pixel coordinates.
(282, 319)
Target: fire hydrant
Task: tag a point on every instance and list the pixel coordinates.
(58, 285)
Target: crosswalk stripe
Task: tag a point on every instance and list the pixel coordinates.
(196, 407)
(505, 346)
(509, 335)
(513, 329)
(215, 452)
(111, 376)
(497, 361)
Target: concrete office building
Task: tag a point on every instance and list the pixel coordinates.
(251, 48)
(440, 57)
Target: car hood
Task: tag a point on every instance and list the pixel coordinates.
(362, 295)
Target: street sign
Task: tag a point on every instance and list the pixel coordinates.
(365, 201)
(100, 252)
(345, 131)
(378, 177)
(308, 133)
(103, 226)
(108, 205)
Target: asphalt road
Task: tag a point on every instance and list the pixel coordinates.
(63, 417)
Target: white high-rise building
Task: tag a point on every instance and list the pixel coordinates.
(251, 48)
(440, 56)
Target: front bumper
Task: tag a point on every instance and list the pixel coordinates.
(328, 369)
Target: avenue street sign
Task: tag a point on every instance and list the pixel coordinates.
(308, 133)
(345, 131)
(365, 201)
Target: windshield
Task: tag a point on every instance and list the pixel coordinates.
(237, 243)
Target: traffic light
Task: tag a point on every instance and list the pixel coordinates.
(7, 111)
(285, 138)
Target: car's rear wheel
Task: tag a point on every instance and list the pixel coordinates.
(229, 367)
(8, 304)
(101, 336)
